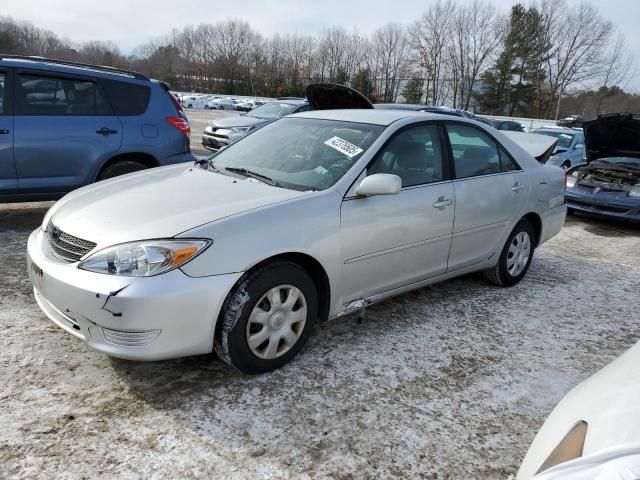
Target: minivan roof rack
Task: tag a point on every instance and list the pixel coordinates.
(100, 68)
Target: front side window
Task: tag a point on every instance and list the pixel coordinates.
(474, 153)
(42, 95)
(415, 155)
(298, 153)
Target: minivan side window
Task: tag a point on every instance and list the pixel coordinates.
(45, 95)
(415, 155)
(3, 92)
(475, 153)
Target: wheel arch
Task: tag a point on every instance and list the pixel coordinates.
(147, 159)
(536, 222)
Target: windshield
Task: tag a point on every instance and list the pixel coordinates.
(299, 153)
(564, 139)
(272, 110)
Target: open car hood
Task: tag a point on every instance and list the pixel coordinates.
(612, 135)
(331, 96)
(538, 146)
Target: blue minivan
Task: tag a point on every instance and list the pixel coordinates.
(64, 125)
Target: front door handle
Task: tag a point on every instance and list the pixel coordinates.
(517, 187)
(442, 203)
(4, 131)
(106, 131)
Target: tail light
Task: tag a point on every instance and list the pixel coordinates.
(181, 124)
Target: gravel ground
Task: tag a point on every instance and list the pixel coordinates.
(448, 382)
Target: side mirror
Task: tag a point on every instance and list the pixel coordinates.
(579, 146)
(379, 184)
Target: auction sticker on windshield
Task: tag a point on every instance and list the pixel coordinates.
(341, 145)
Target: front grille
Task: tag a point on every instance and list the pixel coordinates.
(67, 247)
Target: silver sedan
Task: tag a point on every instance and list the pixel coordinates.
(312, 217)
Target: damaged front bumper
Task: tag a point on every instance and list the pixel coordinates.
(149, 318)
(603, 204)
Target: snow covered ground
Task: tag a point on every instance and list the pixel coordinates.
(448, 382)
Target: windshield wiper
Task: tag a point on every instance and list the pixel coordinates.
(257, 176)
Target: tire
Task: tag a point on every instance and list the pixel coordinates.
(251, 299)
(206, 107)
(504, 274)
(190, 105)
(120, 168)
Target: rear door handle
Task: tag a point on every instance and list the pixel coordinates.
(518, 187)
(442, 203)
(4, 132)
(106, 131)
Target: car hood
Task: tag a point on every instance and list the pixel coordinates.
(537, 145)
(159, 203)
(607, 401)
(331, 96)
(612, 135)
(236, 121)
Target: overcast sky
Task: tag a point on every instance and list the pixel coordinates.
(129, 23)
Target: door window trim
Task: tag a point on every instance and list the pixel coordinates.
(59, 76)
(8, 92)
(446, 167)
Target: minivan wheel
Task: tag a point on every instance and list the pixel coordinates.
(267, 318)
(515, 258)
(120, 168)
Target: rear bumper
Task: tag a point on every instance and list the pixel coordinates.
(166, 316)
(552, 221)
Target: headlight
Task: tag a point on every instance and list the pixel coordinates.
(240, 130)
(145, 258)
(569, 448)
(635, 191)
(571, 181)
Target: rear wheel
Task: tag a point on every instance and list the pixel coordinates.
(120, 168)
(267, 318)
(516, 256)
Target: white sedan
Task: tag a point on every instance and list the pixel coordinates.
(311, 217)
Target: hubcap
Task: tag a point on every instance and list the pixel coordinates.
(276, 322)
(518, 254)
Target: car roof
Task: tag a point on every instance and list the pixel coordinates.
(363, 115)
(59, 66)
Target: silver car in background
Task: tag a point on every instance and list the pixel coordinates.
(311, 217)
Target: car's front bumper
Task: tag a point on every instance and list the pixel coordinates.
(603, 204)
(152, 318)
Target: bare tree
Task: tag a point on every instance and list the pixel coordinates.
(617, 70)
(476, 32)
(579, 35)
(388, 59)
(430, 39)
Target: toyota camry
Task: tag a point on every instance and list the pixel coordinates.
(309, 218)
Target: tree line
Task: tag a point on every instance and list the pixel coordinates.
(537, 60)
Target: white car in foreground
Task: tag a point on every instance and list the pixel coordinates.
(311, 217)
(594, 432)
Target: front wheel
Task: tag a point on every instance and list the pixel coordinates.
(515, 258)
(267, 318)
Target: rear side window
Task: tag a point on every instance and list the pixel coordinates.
(475, 153)
(3, 92)
(127, 99)
(46, 95)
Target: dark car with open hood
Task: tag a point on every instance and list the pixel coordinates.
(608, 184)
